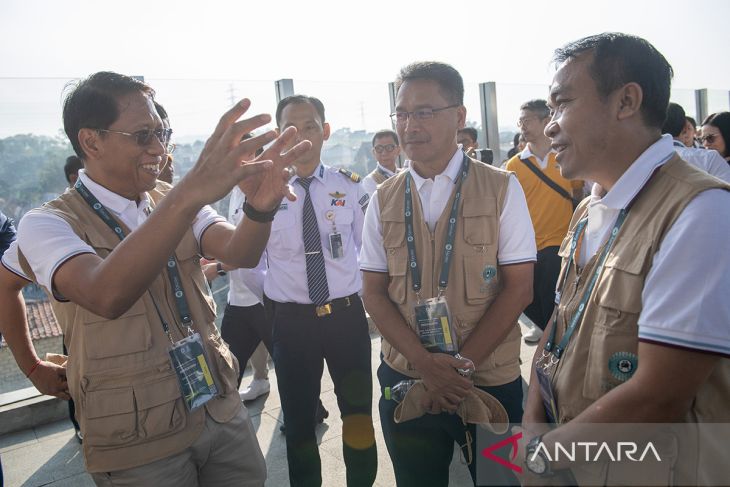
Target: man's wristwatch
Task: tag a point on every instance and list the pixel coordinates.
(536, 461)
(259, 216)
(219, 269)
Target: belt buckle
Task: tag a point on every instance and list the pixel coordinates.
(323, 310)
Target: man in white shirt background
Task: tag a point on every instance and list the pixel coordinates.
(386, 151)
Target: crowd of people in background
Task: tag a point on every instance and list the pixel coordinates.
(609, 195)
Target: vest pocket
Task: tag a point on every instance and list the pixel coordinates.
(130, 333)
(226, 363)
(612, 359)
(143, 410)
(481, 278)
(479, 220)
(397, 269)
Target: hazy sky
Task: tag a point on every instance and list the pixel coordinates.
(337, 41)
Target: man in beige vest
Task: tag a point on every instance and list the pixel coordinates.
(640, 333)
(475, 214)
(121, 264)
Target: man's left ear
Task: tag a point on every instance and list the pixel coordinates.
(629, 101)
(461, 113)
(326, 131)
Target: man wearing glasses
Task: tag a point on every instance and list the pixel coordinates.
(153, 382)
(475, 214)
(386, 152)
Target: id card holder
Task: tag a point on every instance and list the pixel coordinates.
(336, 249)
(434, 326)
(193, 374)
(546, 393)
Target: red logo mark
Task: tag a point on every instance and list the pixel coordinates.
(512, 440)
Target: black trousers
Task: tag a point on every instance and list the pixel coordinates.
(71, 405)
(547, 270)
(243, 328)
(421, 449)
(302, 342)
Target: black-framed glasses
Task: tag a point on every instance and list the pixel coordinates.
(709, 138)
(420, 114)
(144, 137)
(384, 148)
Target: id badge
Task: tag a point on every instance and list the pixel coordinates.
(336, 249)
(546, 393)
(434, 326)
(193, 374)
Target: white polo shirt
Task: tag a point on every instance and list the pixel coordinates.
(516, 235)
(368, 182)
(47, 240)
(246, 286)
(10, 260)
(684, 300)
(338, 203)
(708, 160)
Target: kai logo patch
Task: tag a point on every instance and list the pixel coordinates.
(338, 199)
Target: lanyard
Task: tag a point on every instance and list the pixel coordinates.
(172, 270)
(448, 248)
(578, 315)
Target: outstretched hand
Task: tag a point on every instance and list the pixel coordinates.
(223, 162)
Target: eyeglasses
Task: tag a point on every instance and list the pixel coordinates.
(420, 114)
(384, 148)
(170, 148)
(144, 137)
(522, 121)
(710, 138)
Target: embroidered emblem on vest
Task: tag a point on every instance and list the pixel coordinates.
(622, 365)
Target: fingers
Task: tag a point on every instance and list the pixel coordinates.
(251, 169)
(229, 118)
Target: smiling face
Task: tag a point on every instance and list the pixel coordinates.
(582, 121)
(430, 142)
(309, 127)
(117, 161)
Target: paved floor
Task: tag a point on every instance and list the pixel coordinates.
(49, 455)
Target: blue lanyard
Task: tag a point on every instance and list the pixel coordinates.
(172, 269)
(578, 315)
(448, 247)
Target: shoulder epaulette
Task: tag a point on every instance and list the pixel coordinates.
(356, 178)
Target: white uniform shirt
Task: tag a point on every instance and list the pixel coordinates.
(10, 260)
(368, 182)
(47, 241)
(708, 160)
(516, 235)
(684, 300)
(336, 198)
(246, 286)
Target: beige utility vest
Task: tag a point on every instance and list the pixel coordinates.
(127, 397)
(592, 363)
(474, 280)
(378, 177)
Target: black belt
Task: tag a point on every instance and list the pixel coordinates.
(318, 311)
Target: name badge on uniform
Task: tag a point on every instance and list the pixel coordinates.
(434, 326)
(337, 250)
(193, 374)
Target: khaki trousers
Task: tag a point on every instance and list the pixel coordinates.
(224, 455)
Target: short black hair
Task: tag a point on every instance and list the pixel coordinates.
(93, 103)
(619, 59)
(538, 107)
(691, 121)
(470, 131)
(721, 121)
(448, 78)
(315, 102)
(675, 122)
(386, 133)
(72, 166)
(162, 113)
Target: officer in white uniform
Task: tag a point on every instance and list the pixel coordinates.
(313, 283)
